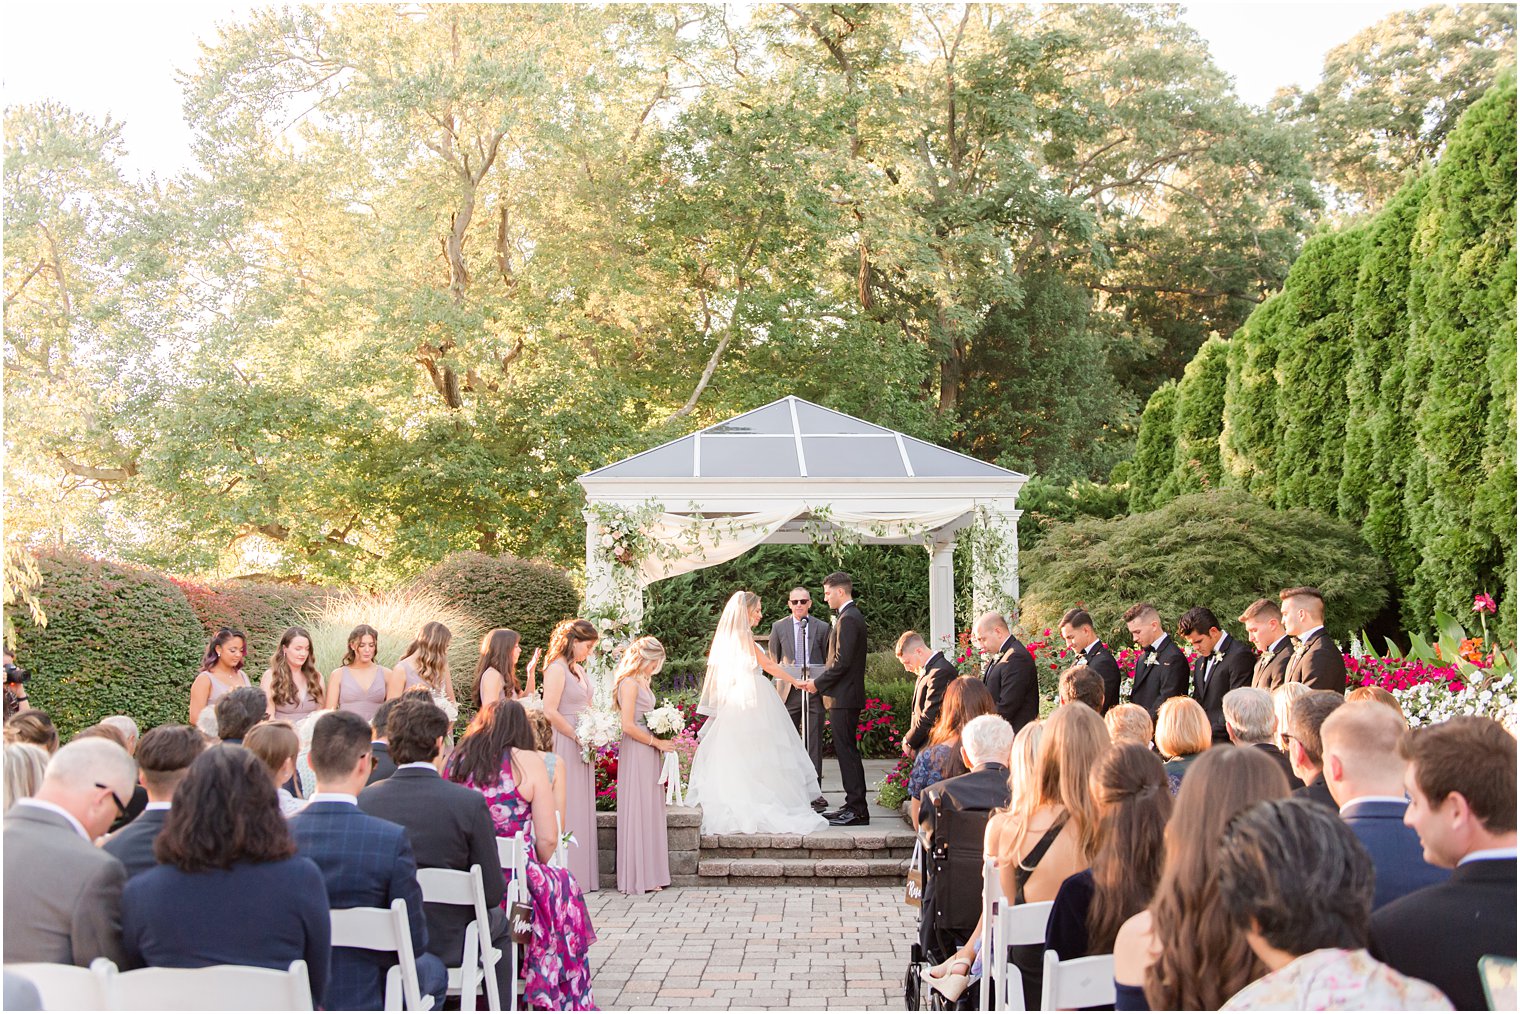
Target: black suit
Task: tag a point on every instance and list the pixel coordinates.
(1317, 791)
(1229, 673)
(450, 828)
(384, 766)
(783, 648)
(1101, 661)
(928, 695)
(135, 807)
(1318, 662)
(133, 844)
(1014, 685)
(1271, 669)
(1166, 677)
(843, 681)
(1438, 933)
(1281, 760)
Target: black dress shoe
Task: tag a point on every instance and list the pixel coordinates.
(820, 804)
(846, 818)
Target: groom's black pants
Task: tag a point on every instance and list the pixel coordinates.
(844, 722)
(814, 724)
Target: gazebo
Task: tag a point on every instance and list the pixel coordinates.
(794, 472)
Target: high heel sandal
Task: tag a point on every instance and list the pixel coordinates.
(951, 985)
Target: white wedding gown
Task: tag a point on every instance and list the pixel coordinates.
(750, 773)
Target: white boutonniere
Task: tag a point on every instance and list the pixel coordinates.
(1267, 656)
(1150, 658)
(1218, 656)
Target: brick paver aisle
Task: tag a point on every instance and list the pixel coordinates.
(752, 948)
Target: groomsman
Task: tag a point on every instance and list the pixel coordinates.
(1080, 636)
(1263, 620)
(1010, 675)
(1161, 672)
(803, 640)
(1223, 664)
(1317, 660)
(934, 673)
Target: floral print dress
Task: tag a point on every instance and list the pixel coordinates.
(558, 969)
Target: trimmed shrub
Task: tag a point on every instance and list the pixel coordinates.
(1155, 448)
(118, 640)
(528, 596)
(1249, 434)
(1200, 415)
(1223, 550)
(262, 611)
(1044, 503)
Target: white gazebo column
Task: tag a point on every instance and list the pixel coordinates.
(995, 562)
(942, 598)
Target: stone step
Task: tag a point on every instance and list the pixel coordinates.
(820, 843)
(801, 872)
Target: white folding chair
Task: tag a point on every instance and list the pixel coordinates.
(455, 887)
(384, 929)
(992, 894)
(69, 987)
(513, 853)
(218, 987)
(1012, 925)
(1080, 982)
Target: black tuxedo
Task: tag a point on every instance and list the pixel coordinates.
(449, 827)
(1101, 661)
(1271, 671)
(1438, 933)
(1318, 792)
(133, 844)
(384, 766)
(928, 695)
(1229, 673)
(1166, 677)
(1318, 662)
(843, 682)
(1014, 685)
(783, 648)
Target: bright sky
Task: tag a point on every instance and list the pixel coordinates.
(121, 59)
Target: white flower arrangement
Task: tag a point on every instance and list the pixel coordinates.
(596, 728)
(666, 721)
(1126, 687)
(1432, 703)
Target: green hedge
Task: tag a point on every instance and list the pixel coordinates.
(502, 591)
(1222, 550)
(260, 610)
(118, 641)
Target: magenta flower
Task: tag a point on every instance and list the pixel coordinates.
(1483, 602)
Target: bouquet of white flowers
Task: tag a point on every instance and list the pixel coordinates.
(666, 721)
(597, 728)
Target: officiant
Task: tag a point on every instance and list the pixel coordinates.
(802, 640)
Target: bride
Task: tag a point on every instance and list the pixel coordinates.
(750, 772)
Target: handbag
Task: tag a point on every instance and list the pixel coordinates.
(520, 917)
(913, 894)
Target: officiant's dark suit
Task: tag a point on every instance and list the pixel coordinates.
(1211, 683)
(843, 683)
(928, 695)
(1166, 677)
(1014, 684)
(815, 645)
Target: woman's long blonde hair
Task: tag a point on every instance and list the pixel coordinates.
(430, 652)
(646, 655)
(1070, 744)
(282, 682)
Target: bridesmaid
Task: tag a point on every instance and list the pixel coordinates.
(221, 671)
(291, 683)
(643, 855)
(567, 692)
(496, 672)
(358, 685)
(424, 663)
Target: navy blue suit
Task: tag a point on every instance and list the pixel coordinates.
(1397, 859)
(366, 862)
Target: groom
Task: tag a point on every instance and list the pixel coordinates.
(843, 681)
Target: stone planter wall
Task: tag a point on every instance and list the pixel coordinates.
(683, 828)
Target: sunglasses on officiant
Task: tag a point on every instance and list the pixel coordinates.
(801, 602)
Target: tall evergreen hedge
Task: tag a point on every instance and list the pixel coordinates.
(1379, 385)
(118, 641)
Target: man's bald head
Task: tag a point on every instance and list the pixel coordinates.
(1360, 745)
(992, 623)
(82, 777)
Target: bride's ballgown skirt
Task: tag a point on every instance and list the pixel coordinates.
(750, 773)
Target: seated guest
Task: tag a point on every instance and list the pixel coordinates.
(1081, 636)
(543, 742)
(1365, 775)
(1181, 953)
(1295, 881)
(35, 727)
(125, 725)
(1283, 697)
(498, 758)
(139, 800)
(24, 767)
(384, 766)
(449, 826)
(163, 759)
(1249, 720)
(366, 862)
(1383, 697)
(1305, 717)
(305, 777)
(229, 888)
(1129, 723)
(1080, 683)
(62, 897)
(965, 698)
(1461, 785)
(1129, 786)
(1182, 735)
(276, 745)
(238, 711)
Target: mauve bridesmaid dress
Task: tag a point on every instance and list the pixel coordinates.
(580, 788)
(643, 857)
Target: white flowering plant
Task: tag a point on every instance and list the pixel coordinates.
(1433, 703)
(666, 721)
(596, 728)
